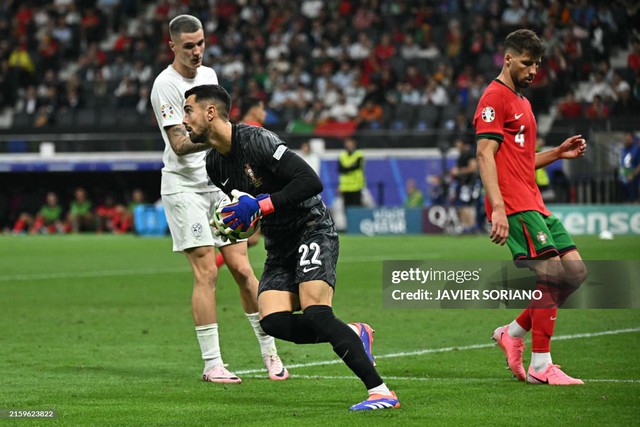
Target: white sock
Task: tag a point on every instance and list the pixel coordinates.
(516, 331)
(267, 343)
(381, 389)
(539, 361)
(354, 328)
(209, 345)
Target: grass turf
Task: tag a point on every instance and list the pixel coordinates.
(99, 329)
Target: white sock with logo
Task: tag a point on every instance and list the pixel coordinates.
(267, 343)
(381, 389)
(516, 331)
(540, 361)
(209, 345)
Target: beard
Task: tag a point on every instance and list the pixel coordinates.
(521, 83)
(199, 138)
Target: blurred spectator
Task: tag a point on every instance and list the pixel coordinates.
(108, 215)
(633, 60)
(143, 106)
(80, 214)
(22, 64)
(252, 111)
(369, 115)
(569, 108)
(29, 103)
(316, 114)
(434, 94)
(126, 93)
(626, 105)
(351, 170)
(47, 220)
(597, 109)
(437, 190)
(630, 168)
(542, 177)
(415, 198)
(599, 87)
(310, 156)
(342, 111)
(467, 188)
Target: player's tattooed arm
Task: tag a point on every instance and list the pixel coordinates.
(180, 142)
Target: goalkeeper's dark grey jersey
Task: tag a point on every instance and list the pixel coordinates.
(261, 163)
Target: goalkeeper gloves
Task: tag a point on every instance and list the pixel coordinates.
(247, 210)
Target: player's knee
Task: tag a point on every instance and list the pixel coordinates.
(576, 273)
(278, 325)
(241, 271)
(321, 318)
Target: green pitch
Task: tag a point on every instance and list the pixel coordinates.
(99, 329)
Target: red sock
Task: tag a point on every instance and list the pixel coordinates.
(19, 226)
(524, 319)
(219, 260)
(543, 322)
(543, 318)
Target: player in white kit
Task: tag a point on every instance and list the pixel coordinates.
(189, 200)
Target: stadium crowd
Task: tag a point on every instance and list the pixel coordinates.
(369, 64)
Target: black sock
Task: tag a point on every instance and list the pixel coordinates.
(345, 342)
(291, 327)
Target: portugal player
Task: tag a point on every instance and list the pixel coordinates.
(506, 137)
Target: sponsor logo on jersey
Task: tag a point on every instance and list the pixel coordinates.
(488, 114)
(167, 111)
(255, 181)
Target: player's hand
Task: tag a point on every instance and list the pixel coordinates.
(219, 230)
(572, 147)
(499, 227)
(245, 212)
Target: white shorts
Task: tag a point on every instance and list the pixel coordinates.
(188, 216)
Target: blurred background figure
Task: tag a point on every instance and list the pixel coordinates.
(49, 217)
(415, 198)
(309, 156)
(630, 168)
(351, 170)
(467, 188)
(542, 177)
(252, 111)
(80, 215)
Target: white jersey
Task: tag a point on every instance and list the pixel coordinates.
(185, 173)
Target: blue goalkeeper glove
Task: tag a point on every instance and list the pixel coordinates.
(247, 210)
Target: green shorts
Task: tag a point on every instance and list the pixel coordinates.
(534, 236)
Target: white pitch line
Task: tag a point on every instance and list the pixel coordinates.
(149, 271)
(445, 350)
(462, 380)
(87, 274)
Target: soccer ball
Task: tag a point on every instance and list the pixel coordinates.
(224, 229)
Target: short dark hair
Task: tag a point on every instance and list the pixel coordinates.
(247, 103)
(214, 93)
(184, 24)
(522, 41)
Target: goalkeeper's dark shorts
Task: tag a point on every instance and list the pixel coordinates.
(310, 254)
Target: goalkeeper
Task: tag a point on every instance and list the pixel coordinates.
(273, 184)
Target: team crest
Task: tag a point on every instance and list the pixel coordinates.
(542, 238)
(167, 111)
(488, 114)
(255, 181)
(196, 229)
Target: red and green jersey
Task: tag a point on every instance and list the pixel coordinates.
(506, 117)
